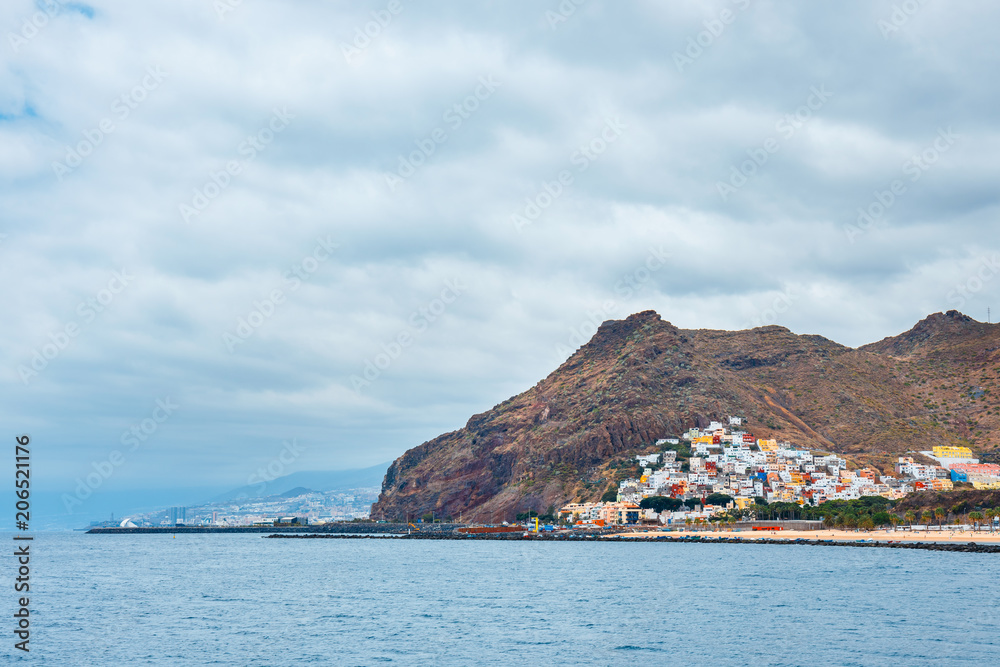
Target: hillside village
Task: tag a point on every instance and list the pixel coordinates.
(714, 470)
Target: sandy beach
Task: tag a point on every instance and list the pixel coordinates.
(943, 537)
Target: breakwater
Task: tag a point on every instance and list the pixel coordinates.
(324, 529)
(970, 547)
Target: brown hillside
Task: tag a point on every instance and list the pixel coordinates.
(641, 378)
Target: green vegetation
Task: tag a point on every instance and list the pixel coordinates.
(660, 504)
(683, 449)
(840, 513)
(718, 499)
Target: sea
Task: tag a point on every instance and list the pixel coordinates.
(228, 599)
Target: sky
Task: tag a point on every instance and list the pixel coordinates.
(242, 236)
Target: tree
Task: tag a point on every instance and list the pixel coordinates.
(829, 520)
(850, 521)
(610, 496)
(927, 516)
(718, 499)
(910, 517)
(939, 513)
(866, 523)
(660, 504)
(881, 518)
(894, 520)
(976, 517)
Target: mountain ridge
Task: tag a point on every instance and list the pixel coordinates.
(642, 378)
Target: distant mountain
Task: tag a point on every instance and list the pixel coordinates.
(642, 378)
(296, 492)
(315, 480)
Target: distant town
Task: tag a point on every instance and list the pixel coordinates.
(299, 505)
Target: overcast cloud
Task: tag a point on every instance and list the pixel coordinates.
(290, 229)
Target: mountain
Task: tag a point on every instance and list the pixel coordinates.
(296, 492)
(314, 480)
(642, 378)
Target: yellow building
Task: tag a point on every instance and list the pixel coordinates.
(942, 485)
(768, 445)
(953, 452)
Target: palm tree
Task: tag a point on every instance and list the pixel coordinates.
(992, 514)
(976, 517)
(940, 514)
(866, 523)
(894, 520)
(927, 516)
(910, 517)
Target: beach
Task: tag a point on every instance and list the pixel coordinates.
(920, 536)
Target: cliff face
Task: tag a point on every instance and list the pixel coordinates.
(641, 379)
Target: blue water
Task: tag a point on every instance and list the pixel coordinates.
(244, 600)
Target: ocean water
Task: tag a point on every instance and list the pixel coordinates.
(244, 600)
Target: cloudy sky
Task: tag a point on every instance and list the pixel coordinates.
(227, 226)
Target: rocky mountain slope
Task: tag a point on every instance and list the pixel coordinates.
(640, 379)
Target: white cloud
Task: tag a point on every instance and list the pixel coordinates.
(782, 232)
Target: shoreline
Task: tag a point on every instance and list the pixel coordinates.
(663, 537)
(946, 540)
(926, 537)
